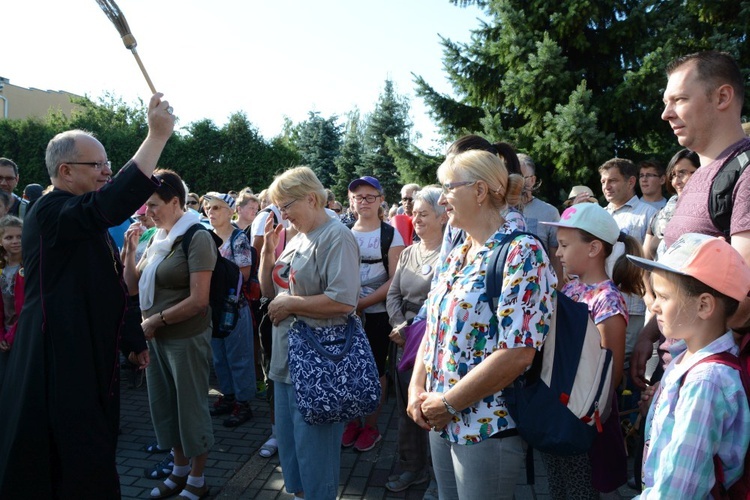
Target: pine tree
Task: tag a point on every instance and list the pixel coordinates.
(319, 143)
(350, 158)
(390, 120)
(576, 82)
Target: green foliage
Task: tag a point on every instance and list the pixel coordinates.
(574, 83)
(350, 158)
(390, 120)
(319, 143)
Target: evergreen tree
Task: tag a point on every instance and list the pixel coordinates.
(319, 143)
(574, 83)
(350, 158)
(390, 120)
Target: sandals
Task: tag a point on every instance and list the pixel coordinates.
(198, 491)
(269, 448)
(166, 492)
(161, 469)
(401, 482)
(154, 448)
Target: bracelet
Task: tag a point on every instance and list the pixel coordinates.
(450, 408)
(161, 315)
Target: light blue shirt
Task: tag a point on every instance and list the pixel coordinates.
(710, 417)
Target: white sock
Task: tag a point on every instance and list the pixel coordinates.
(198, 482)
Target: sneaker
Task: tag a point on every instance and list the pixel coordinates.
(351, 433)
(222, 406)
(240, 414)
(368, 438)
(406, 479)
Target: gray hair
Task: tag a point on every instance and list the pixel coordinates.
(431, 196)
(525, 159)
(409, 187)
(62, 148)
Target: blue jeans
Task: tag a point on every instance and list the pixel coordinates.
(234, 359)
(488, 469)
(310, 455)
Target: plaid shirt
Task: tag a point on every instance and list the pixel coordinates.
(711, 417)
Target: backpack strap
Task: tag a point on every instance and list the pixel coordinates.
(496, 265)
(235, 234)
(724, 358)
(721, 201)
(386, 238)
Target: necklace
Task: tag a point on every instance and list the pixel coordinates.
(423, 257)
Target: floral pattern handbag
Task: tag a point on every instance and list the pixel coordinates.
(333, 371)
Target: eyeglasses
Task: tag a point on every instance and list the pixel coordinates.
(284, 208)
(191, 202)
(337, 210)
(648, 175)
(406, 198)
(7, 180)
(450, 186)
(368, 198)
(677, 174)
(98, 165)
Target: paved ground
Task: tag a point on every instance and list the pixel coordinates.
(236, 471)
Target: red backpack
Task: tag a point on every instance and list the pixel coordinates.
(741, 488)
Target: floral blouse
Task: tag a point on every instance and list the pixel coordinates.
(463, 330)
(603, 299)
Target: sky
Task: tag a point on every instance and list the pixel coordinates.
(269, 59)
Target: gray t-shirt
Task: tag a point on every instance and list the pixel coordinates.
(323, 261)
(538, 211)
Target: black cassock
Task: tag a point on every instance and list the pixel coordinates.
(60, 398)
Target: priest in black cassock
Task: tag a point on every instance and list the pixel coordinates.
(59, 400)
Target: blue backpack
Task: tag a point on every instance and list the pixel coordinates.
(560, 402)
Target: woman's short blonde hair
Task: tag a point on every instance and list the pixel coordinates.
(478, 165)
(296, 183)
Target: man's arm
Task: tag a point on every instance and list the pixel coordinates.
(160, 127)
(642, 352)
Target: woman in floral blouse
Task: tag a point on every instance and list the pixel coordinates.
(471, 351)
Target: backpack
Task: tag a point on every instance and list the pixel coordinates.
(559, 404)
(721, 201)
(741, 488)
(386, 238)
(226, 281)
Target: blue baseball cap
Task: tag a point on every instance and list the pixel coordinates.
(370, 181)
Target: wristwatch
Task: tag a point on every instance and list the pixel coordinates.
(449, 407)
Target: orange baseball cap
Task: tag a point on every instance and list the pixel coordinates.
(709, 259)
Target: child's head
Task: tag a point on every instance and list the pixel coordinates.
(10, 237)
(699, 277)
(587, 235)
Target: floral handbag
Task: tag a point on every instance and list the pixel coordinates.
(333, 371)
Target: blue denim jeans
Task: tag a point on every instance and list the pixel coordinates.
(234, 359)
(310, 455)
(488, 469)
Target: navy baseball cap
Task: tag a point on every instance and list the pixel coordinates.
(370, 181)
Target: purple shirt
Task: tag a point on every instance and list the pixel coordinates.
(691, 214)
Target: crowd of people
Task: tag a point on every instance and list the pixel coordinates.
(122, 267)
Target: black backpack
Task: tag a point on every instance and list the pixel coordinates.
(721, 201)
(386, 238)
(225, 278)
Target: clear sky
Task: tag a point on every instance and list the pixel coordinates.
(270, 59)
